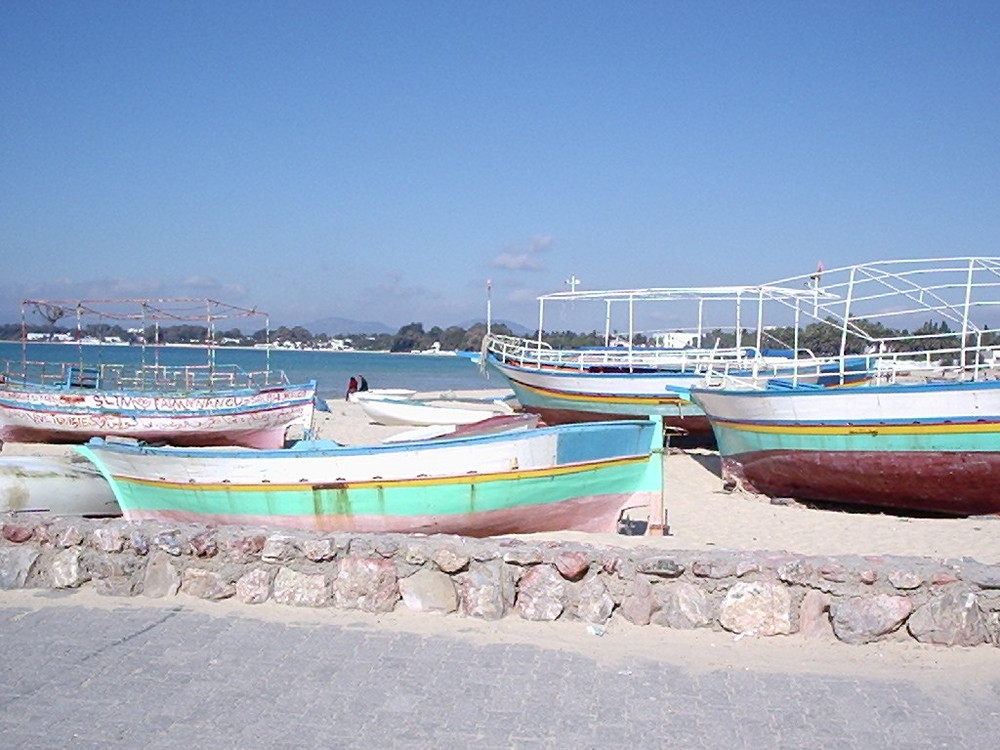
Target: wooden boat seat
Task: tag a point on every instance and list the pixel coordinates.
(83, 377)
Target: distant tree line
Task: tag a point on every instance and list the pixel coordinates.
(822, 338)
(411, 337)
(825, 338)
(178, 334)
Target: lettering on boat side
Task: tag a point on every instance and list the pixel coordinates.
(163, 403)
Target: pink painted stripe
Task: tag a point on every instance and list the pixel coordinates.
(598, 514)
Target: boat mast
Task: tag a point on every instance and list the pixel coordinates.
(607, 322)
(701, 315)
(631, 330)
(760, 319)
(489, 306)
(965, 312)
(739, 325)
(267, 342)
(847, 320)
(541, 320)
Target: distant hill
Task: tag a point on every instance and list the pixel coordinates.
(333, 326)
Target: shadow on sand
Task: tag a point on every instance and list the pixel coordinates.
(707, 459)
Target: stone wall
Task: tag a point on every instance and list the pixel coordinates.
(855, 599)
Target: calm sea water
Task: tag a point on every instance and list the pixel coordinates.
(330, 370)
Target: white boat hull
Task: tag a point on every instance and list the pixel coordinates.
(256, 419)
(60, 486)
(573, 477)
(421, 414)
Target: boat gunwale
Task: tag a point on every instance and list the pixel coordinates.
(325, 448)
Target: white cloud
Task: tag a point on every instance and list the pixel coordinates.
(523, 295)
(525, 258)
(215, 288)
(518, 262)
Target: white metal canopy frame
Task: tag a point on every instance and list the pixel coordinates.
(934, 316)
(948, 300)
(737, 296)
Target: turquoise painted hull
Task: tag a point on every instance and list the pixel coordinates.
(932, 447)
(594, 472)
(557, 407)
(734, 441)
(477, 508)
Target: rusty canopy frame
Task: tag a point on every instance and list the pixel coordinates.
(153, 311)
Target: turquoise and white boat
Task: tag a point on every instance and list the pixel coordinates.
(562, 395)
(923, 435)
(624, 380)
(579, 477)
(929, 447)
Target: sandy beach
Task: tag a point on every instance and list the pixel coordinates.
(701, 515)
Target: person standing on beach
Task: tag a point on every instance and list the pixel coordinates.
(362, 383)
(352, 387)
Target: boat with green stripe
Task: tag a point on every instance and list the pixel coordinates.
(923, 434)
(568, 477)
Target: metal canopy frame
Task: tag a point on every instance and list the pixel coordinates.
(153, 311)
(954, 290)
(737, 294)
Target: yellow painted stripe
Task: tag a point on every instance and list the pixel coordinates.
(563, 395)
(858, 429)
(375, 483)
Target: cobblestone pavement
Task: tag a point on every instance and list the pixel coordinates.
(142, 676)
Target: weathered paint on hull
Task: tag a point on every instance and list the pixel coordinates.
(252, 420)
(273, 437)
(959, 483)
(562, 408)
(884, 412)
(594, 515)
(694, 425)
(54, 484)
(924, 447)
(585, 498)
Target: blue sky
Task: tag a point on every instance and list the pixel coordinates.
(380, 161)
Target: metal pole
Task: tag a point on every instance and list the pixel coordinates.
(701, 332)
(541, 320)
(489, 306)
(631, 328)
(965, 314)
(795, 343)
(760, 320)
(657, 525)
(739, 327)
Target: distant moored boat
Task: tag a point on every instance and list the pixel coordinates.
(193, 405)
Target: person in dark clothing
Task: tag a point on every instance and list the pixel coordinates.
(352, 387)
(362, 383)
